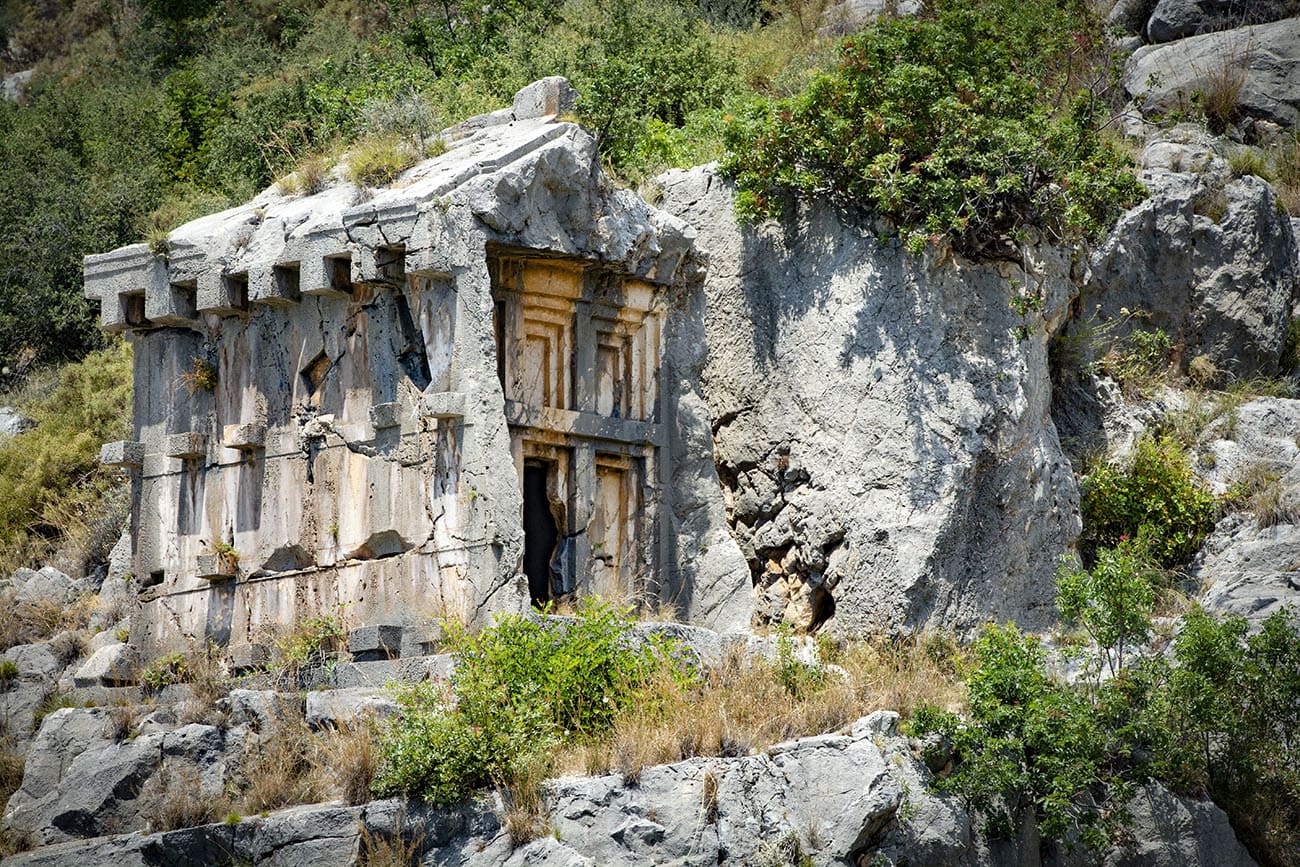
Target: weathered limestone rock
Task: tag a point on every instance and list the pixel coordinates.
(12, 422)
(332, 708)
(1178, 19)
(46, 585)
(1251, 564)
(259, 709)
(1209, 260)
(1265, 58)
(882, 433)
(847, 16)
(830, 800)
(115, 664)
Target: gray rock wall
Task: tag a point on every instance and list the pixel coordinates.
(881, 427)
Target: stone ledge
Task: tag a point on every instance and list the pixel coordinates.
(123, 454)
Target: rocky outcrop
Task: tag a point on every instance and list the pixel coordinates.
(1208, 259)
(880, 421)
(856, 797)
(1178, 19)
(1257, 67)
(1250, 565)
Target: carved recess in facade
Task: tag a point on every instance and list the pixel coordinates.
(578, 352)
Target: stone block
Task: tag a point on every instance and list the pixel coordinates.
(124, 454)
(386, 415)
(445, 404)
(114, 665)
(330, 708)
(274, 284)
(171, 303)
(368, 643)
(246, 656)
(222, 294)
(246, 436)
(551, 95)
(329, 275)
(186, 446)
(214, 567)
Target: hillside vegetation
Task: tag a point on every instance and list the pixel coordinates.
(143, 114)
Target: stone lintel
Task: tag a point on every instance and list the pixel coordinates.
(123, 454)
(222, 294)
(586, 425)
(245, 436)
(326, 267)
(186, 446)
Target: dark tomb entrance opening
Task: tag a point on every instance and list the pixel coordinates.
(540, 532)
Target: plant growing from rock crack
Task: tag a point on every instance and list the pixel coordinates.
(1112, 601)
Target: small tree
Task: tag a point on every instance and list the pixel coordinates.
(1112, 602)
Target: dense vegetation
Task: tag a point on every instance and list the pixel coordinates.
(973, 122)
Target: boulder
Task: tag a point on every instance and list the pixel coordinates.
(12, 422)
(1170, 831)
(259, 709)
(115, 664)
(47, 585)
(1249, 570)
(1264, 59)
(1178, 19)
(878, 476)
(35, 662)
(1129, 17)
(332, 708)
(848, 16)
(1209, 260)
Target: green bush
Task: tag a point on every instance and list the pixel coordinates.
(949, 126)
(1033, 746)
(1225, 725)
(1113, 601)
(520, 688)
(166, 670)
(1152, 498)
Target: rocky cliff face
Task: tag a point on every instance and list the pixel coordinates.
(881, 421)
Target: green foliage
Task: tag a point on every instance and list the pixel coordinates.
(1140, 362)
(1225, 724)
(166, 670)
(520, 688)
(378, 161)
(1112, 601)
(8, 673)
(50, 481)
(948, 125)
(1033, 745)
(313, 642)
(1152, 498)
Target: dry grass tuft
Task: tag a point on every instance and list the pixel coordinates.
(11, 771)
(281, 769)
(308, 178)
(30, 622)
(175, 799)
(747, 704)
(402, 849)
(122, 719)
(348, 757)
(523, 800)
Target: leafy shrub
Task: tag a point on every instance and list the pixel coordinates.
(944, 125)
(166, 670)
(1112, 601)
(1151, 498)
(1140, 363)
(1033, 745)
(1224, 725)
(520, 688)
